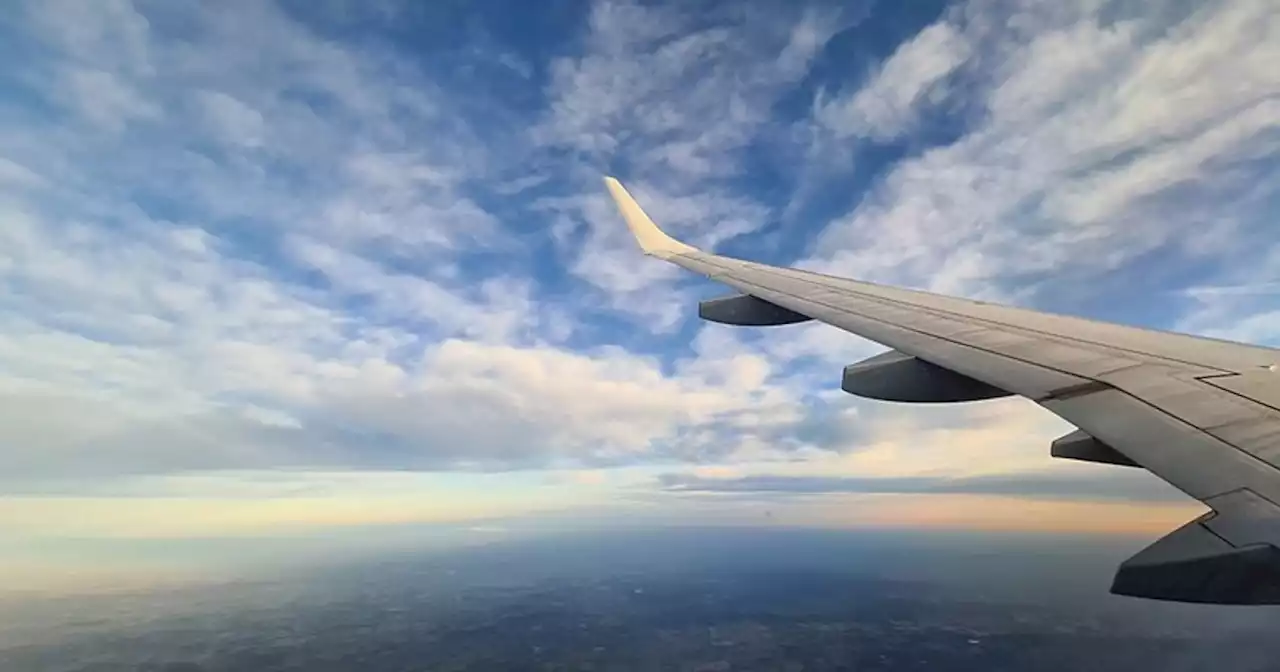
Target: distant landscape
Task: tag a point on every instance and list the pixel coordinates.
(698, 600)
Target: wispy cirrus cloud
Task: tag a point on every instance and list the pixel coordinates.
(906, 83)
(1076, 160)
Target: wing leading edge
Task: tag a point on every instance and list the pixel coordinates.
(1201, 414)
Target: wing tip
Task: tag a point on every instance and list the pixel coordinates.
(652, 240)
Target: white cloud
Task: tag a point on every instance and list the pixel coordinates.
(15, 175)
(231, 119)
(103, 99)
(1261, 327)
(1102, 142)
(1242, 311)
(298, 120)
(462, 405)
(109, 34)
(887, 106)
(1104, 195)
(152, 345)
(404, 199)
(162, 350)
(495, 310)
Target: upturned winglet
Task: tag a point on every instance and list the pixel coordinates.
(651, 239)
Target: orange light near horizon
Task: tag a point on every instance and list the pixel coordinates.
(997, 513)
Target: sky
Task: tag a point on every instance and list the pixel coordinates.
(308, 270)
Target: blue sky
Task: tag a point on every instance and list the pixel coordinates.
(351, 262)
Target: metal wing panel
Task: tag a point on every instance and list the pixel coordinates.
(863, 318)
(1259, 436)
(1184, 456)
(1182, 396)
(1124, 342)
(1258, 385)
(1213, 353)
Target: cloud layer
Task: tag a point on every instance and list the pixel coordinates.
(242, 236)
(1115, 485)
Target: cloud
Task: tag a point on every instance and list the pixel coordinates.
(103, 99)
(1101, 137)
(112, 34)
(17, 176)
(202, 292)
(460, 405)
(1239, 305)
(231, 119)
(1055, 485)
(888, 105)
(163, 353)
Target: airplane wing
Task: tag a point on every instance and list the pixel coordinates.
(1202, 414)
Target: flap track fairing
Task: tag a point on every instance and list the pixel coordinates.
(1080, 446)
(744, 310)
(894, 376)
